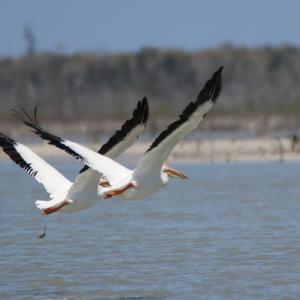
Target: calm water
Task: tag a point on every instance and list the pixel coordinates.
(231, 232)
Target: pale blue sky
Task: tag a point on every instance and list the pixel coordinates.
(119, 25)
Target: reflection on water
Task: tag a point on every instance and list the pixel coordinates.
(230, 232)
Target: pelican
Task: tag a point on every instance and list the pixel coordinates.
(149, 175)
(66, 196)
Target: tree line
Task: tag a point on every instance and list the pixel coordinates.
(257, 81)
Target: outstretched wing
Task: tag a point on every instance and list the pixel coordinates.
(189, 119)
(53, 181)
(120, 141)
(128, 134)
(115, 146)
(114, 172)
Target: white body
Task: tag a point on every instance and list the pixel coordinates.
(84, 193)
(66, 196)
(81, 194)
(147, 177)
(144, 187)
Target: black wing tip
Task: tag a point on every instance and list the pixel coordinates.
(6, 140)
(32, 122)
(141, 112)
(27, 119)
(145, 114)
(139, 117)
(210, 92)
(9, 147)
(218, 74)
(212, 88)
(217, 84)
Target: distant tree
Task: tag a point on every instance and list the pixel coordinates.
(30, 40)
(258, 82)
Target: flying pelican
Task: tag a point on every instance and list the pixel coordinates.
(148, 176)
(66, 196)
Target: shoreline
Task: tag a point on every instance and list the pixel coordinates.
(216, 150)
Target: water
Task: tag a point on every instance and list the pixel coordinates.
(230, 232)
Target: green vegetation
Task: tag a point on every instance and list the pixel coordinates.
(257, 81)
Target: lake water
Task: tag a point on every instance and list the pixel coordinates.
(230, 232)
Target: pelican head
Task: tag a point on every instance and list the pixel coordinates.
(172, 172)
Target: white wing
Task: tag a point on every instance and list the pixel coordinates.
(85, 184)
(53, 181)
(123, 138)
(114, 172)
(129, 132)
(120, 141)
(190, 118)
(117, 144)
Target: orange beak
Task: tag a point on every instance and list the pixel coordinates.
(104, 182)
(174, 173)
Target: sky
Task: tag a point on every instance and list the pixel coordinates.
(99, 26)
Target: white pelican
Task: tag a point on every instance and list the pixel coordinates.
(66, 196)
(149, 175)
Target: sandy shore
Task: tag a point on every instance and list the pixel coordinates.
(257, 149)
